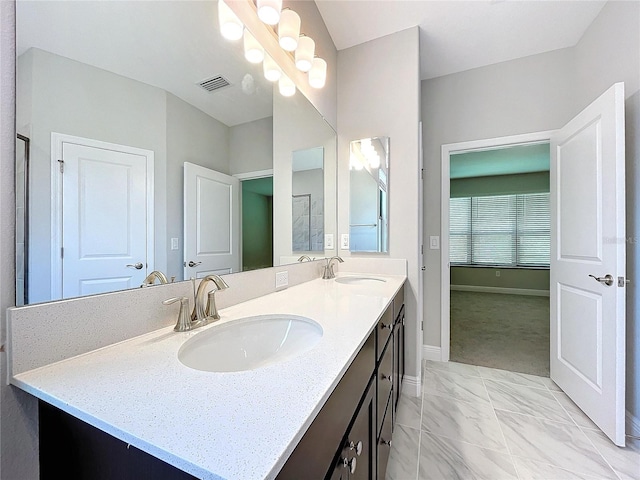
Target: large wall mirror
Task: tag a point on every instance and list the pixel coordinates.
(368, 195)
(145, 130)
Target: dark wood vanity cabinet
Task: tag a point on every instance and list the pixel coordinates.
(350, 438)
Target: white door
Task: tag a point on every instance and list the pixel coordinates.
(211, 222)
(104, 219)
(588, 240)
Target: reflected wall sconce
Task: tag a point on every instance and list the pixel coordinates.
(299, 48)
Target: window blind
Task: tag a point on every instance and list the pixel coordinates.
(509, 230)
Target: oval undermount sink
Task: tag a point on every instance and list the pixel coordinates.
(360, 280)
(250, 343)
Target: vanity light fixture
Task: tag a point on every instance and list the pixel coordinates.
(231, 27)
(286, 86)
(289, 30)
(318, 73)
(269, 11)
(305, 53)
(253, 51)
(271, 69)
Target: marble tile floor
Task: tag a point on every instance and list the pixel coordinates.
(487, 424)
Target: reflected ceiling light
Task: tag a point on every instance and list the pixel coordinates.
(271, 69)
(304, 53)
(269, 11)
(230, 25)
(318, 73)
(253, 51)
(286, 86)
(289, 30)
(374, 160)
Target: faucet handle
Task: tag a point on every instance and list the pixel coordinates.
(184, 317)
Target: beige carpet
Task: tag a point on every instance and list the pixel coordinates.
(509, 332)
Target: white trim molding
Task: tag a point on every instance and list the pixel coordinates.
(445, 273)
(509, 291)
(412, 386)
(430, 352)
(633, 424)
(254, 175)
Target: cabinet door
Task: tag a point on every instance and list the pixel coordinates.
(364, 430)
(384, 445)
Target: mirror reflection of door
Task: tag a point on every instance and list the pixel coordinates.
(22, 228)
(100, 217)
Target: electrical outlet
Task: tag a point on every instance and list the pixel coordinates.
(282, 279)
(174, 244)
(328, 241)
(344, 241)
(497, 273)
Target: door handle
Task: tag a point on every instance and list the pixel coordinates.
(193, 264)
(137, 266)
(606, 280)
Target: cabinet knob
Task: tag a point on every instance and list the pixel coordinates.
(350, 464)
(384, 325)
(385, 442)
(387, 377)
(356, 446)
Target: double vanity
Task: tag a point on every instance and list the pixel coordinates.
(299, 383)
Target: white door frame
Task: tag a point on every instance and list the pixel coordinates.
(57, 141)
(445, 272)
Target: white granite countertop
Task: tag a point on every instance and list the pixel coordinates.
(240, 425)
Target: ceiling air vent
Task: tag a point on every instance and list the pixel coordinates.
(214, 83)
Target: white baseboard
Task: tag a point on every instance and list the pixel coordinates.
(508, 291)
(431, 353)
(632, 424)
(412, 386)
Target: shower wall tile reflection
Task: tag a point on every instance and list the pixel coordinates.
(301, 223)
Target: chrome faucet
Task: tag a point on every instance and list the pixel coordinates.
(327, 273)
(153, 276)
(204, 313)
(304, 257)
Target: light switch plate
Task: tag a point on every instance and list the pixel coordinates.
(328, 241)
(174, 244)
(344, 241)
(434, 243)
(282, 279)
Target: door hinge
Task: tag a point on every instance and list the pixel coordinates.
(61, 252)
(422, 325)
(61, 163)
(422, 249)
(422, 173)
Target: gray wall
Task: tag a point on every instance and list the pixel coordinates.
(375, 101)
(538, 93)
(525, 278)
(251, 146)
(500, 185)
(18, 410)
(191, 136)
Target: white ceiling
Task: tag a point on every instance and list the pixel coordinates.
(460, 35)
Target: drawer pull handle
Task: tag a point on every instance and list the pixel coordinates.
(385, 442)
(356, 446)
(384, 325)
(387, 377)
(350, 464)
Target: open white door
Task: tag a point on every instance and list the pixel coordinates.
(103, 227)
(588, 240)
(211, 222)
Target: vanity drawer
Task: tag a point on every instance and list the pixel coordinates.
(384, 443)
(384, 329)
(385, 382)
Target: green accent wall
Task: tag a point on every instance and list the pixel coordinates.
(537, 182)
(257, 230)
(533, 279)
